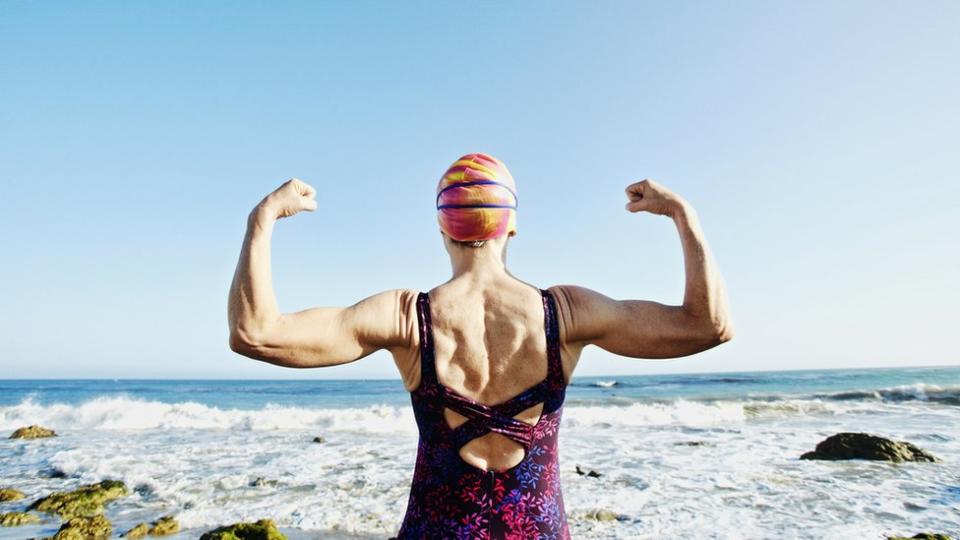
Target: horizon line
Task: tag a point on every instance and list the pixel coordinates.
(398, 378)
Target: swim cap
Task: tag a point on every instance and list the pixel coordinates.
(477, 199)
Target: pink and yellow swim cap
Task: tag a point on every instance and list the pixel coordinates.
(477, 199)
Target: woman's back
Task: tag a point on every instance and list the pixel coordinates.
(488, 406)
(490, 346)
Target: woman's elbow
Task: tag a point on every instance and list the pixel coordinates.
(722, 332)
(245, 343)
(709, 334)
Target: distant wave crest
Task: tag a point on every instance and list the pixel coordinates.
(949, 395)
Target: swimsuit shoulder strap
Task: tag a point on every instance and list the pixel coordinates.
(428, 374)
(552, 328)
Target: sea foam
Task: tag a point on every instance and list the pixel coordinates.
(127, 413)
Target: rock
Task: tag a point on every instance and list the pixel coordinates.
(164, 526)
(7, 495)
(265, 529)
(691, 443)
(866, 446)
(85, 528)
(602, 515)
(15, 519)
(138, 531)
(592, 473)
(262, 482)
(922, 536)
(33, 432)
(86, 500)
(319, 440)
(53, 472)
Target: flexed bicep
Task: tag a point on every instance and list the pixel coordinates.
(328, 336)
(633, 328)
(647, 329)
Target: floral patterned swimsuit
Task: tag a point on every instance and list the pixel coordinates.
(450, 498)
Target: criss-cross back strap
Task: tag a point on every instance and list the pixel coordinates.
(482, 419)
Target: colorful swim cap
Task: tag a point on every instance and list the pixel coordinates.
(477, 199)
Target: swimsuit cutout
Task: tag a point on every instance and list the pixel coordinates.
(450, 498)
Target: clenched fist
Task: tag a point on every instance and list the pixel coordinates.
(293, 197)
(649, 196)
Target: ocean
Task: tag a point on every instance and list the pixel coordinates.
(710, 455)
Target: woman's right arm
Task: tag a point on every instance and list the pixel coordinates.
(647, 329)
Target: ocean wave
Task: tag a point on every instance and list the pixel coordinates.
(678, 412)
(701, 380)
(125, 413)
(666, 383)
(949, 395)
(685, 412)
(601, 384)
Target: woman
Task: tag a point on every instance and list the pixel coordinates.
(485, 356)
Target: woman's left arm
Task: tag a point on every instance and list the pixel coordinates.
(317, 337)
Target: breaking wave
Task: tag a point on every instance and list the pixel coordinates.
(125, 413)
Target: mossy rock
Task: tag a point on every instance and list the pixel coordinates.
(85, 528)
(7, 495)
(866, 446)
(33, 432)
(164, 526)
(84, 501)
(265, 529)
(15, 519)
(139, 531)
(922, 536)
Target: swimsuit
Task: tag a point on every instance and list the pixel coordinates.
(450, 498)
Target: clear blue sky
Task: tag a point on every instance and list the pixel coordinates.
(819, 142)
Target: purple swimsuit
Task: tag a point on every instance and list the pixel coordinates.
(450, 498)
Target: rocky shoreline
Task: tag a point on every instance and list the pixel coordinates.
(81, 511)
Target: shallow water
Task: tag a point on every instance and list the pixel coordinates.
(704, 456)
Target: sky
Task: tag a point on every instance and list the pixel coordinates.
(819, 143)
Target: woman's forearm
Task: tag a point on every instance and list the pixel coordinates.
(252, 305)
(704, 295)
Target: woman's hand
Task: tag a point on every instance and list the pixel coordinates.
(649, 196)
(293, 197)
